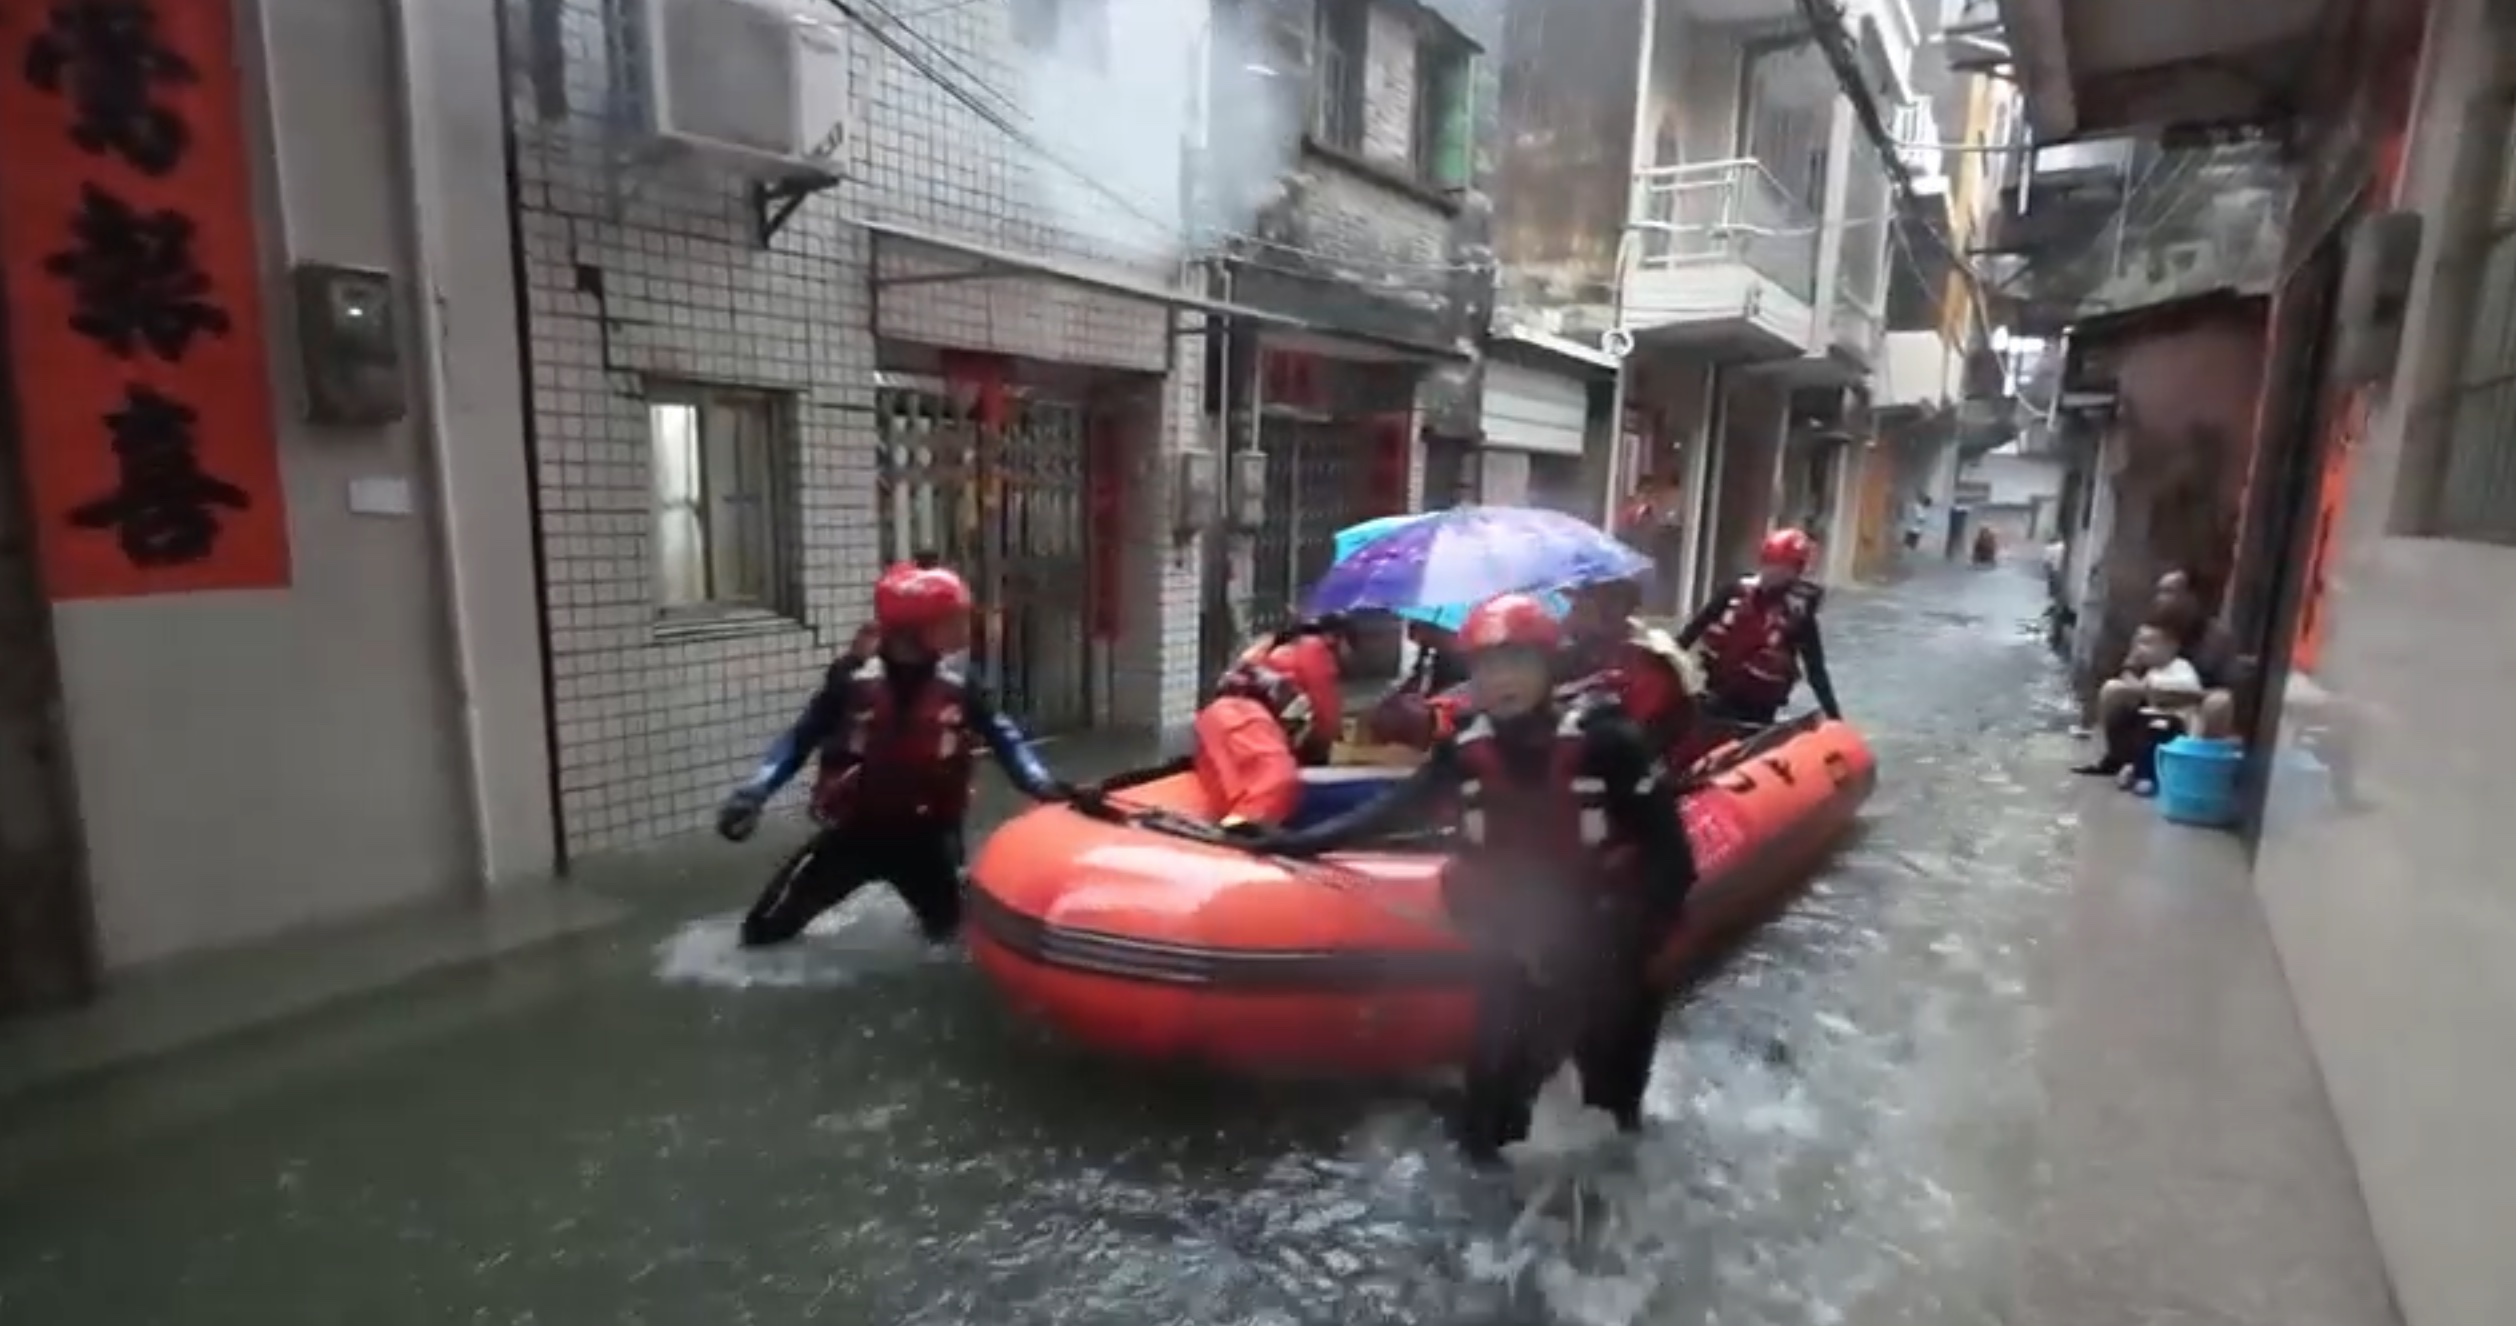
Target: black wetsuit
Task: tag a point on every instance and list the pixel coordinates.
(1806, 641)
(1586, 992)
(921, 860)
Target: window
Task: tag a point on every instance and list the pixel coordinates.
(1340, 37)
(1443, 129)
(1075, 31)
(720, 514)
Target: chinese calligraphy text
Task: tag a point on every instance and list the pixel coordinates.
(129, 261)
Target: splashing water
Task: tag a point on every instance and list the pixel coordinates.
(1841, 1125)
(860, 937)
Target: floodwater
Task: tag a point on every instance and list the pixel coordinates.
(656, 1128)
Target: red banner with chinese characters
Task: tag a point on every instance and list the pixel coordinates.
(1105, 475)
(1393, 461)
(989, 380)
(133, 285)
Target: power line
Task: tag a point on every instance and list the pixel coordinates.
(1834, 43)
(939, 71)
(1002, 122)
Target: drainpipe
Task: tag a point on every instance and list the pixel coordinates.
(1637, 159)
(423, 180)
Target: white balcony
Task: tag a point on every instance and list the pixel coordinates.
(1725, 262)
(1915, 371)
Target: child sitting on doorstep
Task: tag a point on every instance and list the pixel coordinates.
(2171, 701)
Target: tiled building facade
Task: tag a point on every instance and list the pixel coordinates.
(654, 278)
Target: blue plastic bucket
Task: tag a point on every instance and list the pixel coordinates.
(2198, 779)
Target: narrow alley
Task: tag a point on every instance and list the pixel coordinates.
(2023, 1055)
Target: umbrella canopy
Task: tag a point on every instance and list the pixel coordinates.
(1448, 561)
(1355, 536)
(1446, 616)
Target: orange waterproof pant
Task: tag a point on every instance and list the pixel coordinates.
(1246, 762)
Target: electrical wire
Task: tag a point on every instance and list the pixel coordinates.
(997, 118)
(939, 71)
(1834, 42)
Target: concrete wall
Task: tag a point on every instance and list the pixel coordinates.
(1563, 156)
(654, 722)
(2176, 459)
(1503, 477)
(373, 734)
(1916, 368)
(2015, 480)
(2395, 923)
(1751, 449)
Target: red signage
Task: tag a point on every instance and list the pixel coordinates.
(1393, 462)
(130, 257)
(1105, 470)
(1290, 377)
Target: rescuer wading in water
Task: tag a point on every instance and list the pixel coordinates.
(1570, 877)
(893, 727)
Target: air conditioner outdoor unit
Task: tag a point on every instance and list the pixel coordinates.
(753, 84)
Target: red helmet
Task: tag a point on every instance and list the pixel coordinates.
(1511, 619)
(910, 597)
(1787, 547)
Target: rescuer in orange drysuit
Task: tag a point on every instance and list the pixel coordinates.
(1276, 709)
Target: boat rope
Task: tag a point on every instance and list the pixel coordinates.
(1324, 874)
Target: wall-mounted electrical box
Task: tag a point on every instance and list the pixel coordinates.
(350, 344)
(2375, 297)
(1249, 491)
(1193, 494)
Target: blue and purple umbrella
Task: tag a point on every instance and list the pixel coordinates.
(1434, 567)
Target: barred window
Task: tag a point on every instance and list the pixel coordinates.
(717, 457)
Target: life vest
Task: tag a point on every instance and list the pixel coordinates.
(1271, 674)
(1558, 816)
(897, 758)
(1749, 654)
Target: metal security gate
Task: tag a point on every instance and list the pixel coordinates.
(1318, 482)
(1007, 507)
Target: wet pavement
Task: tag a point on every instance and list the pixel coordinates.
(2021, 1056)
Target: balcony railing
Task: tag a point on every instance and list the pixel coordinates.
(1728, 212)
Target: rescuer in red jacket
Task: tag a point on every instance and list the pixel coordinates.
(1758, 637)
(1571, 872)
(1276, 709)
(892, 726)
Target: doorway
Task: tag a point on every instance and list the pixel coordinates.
(1008, 504)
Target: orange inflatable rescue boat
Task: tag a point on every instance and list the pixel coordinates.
(1143, 934)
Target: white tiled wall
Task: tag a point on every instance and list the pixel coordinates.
(651, 727)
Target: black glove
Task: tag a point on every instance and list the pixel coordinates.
(1089, 798)
(740, 815)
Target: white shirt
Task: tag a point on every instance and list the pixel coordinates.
(2175, 677)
